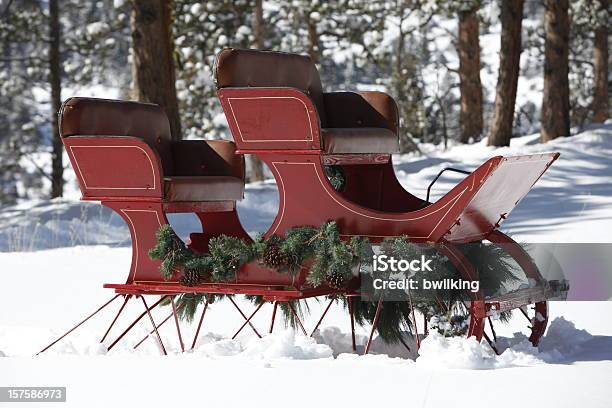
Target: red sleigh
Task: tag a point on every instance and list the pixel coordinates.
(124, 157)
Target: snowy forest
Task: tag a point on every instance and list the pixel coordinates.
(460, 71)
(511, 96)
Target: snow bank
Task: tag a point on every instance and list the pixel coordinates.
(562, 341)
(438, 351)
(281, 345)
(340, 342)
(287, 344)
(214, 345)
(97, 349)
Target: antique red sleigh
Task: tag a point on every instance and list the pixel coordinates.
(124, 157)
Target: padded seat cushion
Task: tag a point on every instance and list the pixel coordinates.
(106, 117)
(203, 188)
(359, 140)
(269, 69)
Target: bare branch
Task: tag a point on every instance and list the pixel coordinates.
(449, 69)
(578, 61)
(5, 12)
(29, 58)
(422, 24)
(40, 169)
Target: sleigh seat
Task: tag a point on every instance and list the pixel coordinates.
(124, 156)
(270, 92)
(189, 170)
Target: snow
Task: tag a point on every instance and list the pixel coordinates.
(96, 28)
(438, 351)
(564, 340)
(287, 345)
(58, 253)
(562, 343)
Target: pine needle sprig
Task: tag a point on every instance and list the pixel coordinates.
(171, 250)
(227, 255)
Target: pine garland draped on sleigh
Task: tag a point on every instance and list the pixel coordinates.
(333, 263)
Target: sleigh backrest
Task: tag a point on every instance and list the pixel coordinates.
(106, 118)
(241, 68)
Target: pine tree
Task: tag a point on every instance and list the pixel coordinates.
(49, 46)
(153, 72)
(468, 48)
(200, 32)
(555, 117)
(587, 85)
(55, 82)
(20, 26)
(600, 61)
(507, 80)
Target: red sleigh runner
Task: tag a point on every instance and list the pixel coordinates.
(124, 157)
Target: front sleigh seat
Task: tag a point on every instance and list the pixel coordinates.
(189, 170)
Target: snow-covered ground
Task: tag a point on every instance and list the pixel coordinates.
(57, 255)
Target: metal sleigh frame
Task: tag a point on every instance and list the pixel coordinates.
(372, 204)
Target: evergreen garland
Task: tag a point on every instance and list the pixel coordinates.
(226, 255)
(334, 262)
(171, 250)
(332, 258)
(446, 309)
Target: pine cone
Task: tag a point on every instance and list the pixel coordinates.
(336, 281)
(191, 277)
(274, 257)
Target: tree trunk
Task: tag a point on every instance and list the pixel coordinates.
(468, 47)
(507, 80)
(555, 117)
(313, 40)
(153, 58)
(258, 25)
(55, 80)
(600, 62)
(256, 167)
